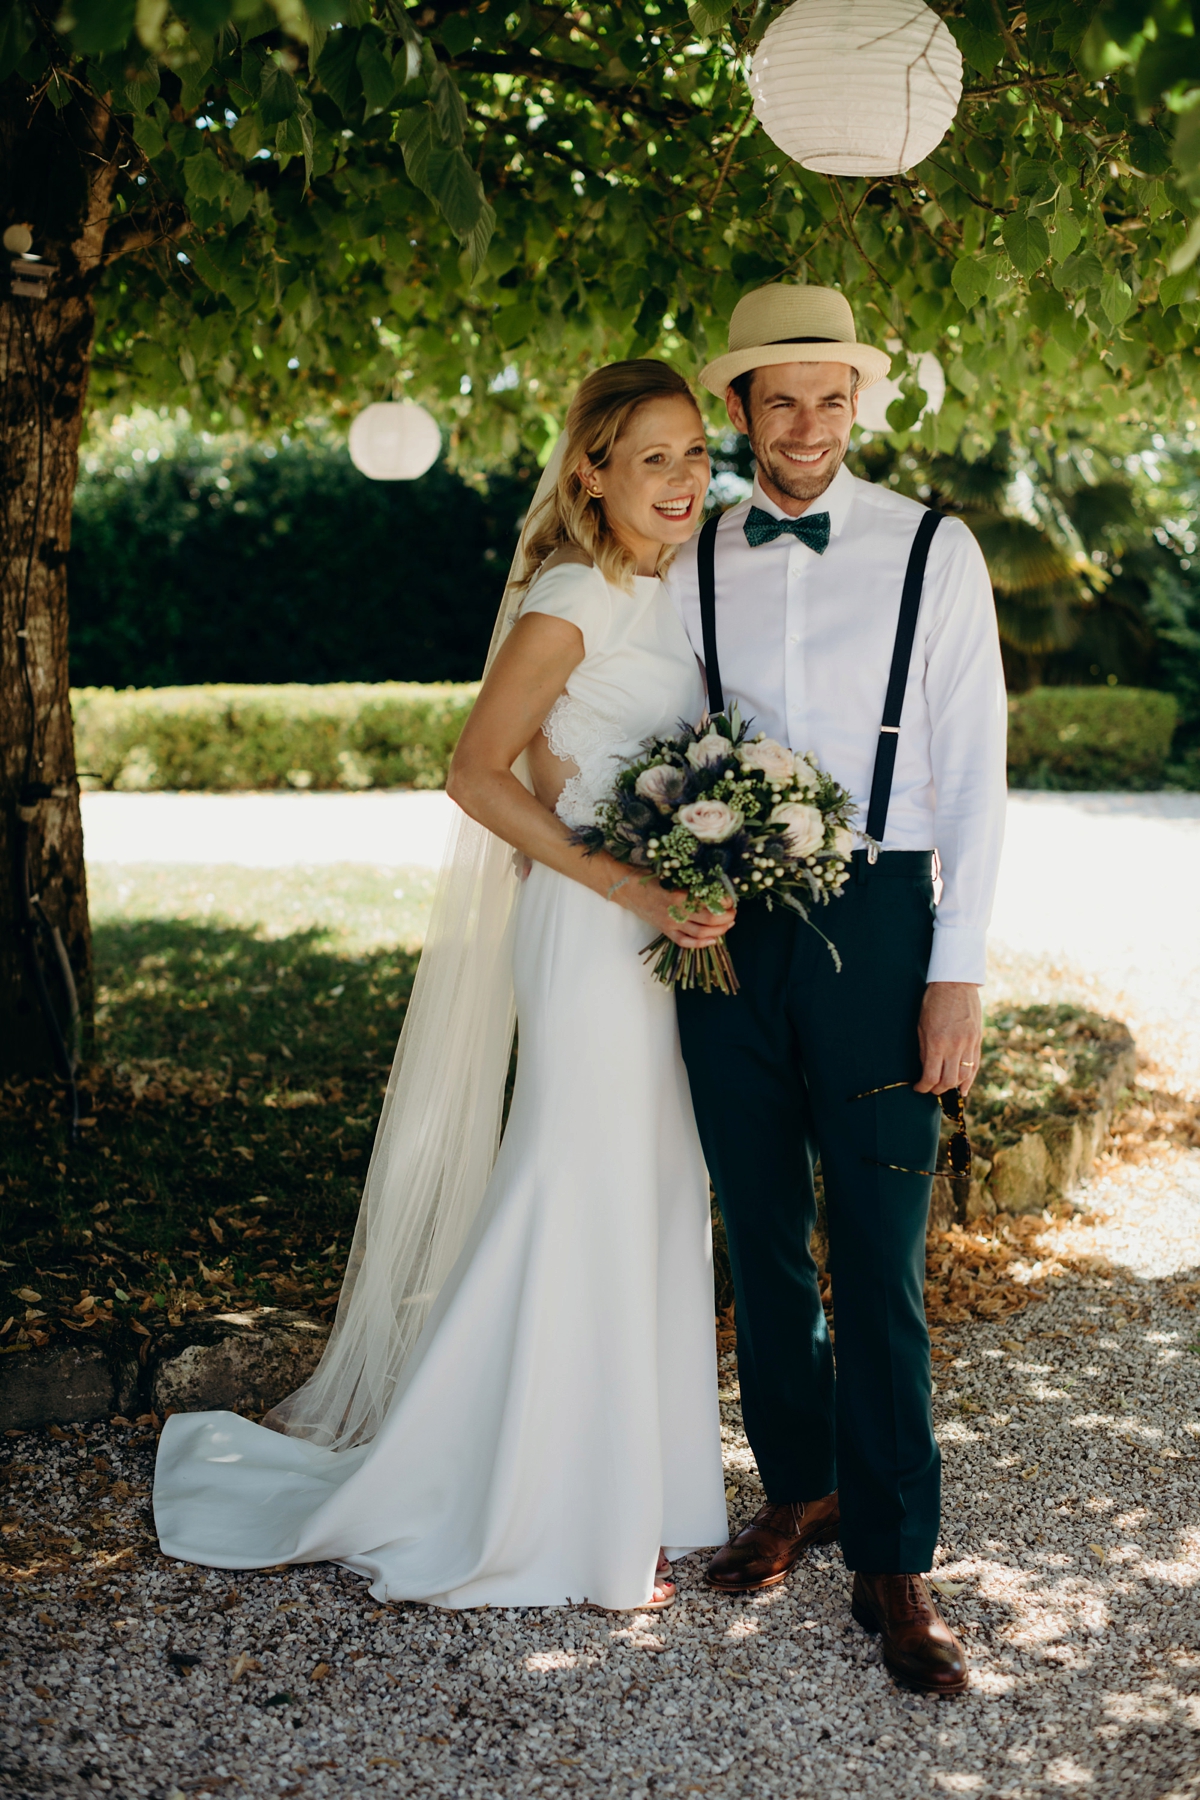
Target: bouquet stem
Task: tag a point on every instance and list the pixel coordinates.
(676, 967)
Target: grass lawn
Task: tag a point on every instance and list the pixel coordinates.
(246, 1023)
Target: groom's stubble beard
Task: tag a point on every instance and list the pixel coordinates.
(787, 476)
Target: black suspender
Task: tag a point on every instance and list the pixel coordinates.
(706, 569)
(889, 730)
(906, 631)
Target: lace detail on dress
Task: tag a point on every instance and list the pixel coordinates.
(578, 733)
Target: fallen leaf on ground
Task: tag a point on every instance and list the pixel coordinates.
(320, 1672)
(1099, 1550)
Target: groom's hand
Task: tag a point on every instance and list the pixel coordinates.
(950, 1034)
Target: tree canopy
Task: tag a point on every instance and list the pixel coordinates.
(321, 203)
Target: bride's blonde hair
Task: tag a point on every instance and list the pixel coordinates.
(598, 416)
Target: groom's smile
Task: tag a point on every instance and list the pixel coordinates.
(798, 418)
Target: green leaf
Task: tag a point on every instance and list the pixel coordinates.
(479, 238)
(415, 131)
(648, 323)
(970, 281)
(1065, 233)
(456, 189)
(1026, 241)
(1187, 151)
(709, 17)
(977, 37)
(279, 96)
(245, 136)
(1187, 252)
(1175, 287)
(140, 84)
(1116, 297)
(1083, 270)
(193, 76)
(207, 16)
(513, 323)
(337, 68)
(204, 175)
(148, 138)
(293, 137)
(448, 108)
(375, 71)
(905, 410)
(457, 33)
(98, 25)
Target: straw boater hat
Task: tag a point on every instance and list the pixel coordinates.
(784, 323)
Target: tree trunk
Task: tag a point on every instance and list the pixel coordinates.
(57, 172)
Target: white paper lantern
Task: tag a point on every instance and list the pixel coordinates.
(394, 440)
(874, 401)
(857, 87)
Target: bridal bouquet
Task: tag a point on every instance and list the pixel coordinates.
(724, 816)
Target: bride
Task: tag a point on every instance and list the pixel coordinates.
(517, 1405)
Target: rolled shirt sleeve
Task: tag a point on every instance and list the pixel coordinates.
(968, 717)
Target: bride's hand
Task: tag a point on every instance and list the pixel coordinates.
(651, 901)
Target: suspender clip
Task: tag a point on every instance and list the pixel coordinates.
(872, 852)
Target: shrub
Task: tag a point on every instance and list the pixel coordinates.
(225, 561)
(1089, 737)
(343, 735)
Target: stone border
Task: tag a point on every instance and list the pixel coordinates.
(1047, 1162)
(245, 1362)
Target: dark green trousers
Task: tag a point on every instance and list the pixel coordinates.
(774, 1070)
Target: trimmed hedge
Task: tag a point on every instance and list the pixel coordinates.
(342, 735)
(1089, 737)
(402, 734)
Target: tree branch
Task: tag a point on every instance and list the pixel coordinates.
(517, 61)
(142, 230)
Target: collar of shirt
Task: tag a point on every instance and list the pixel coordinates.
(836, 501)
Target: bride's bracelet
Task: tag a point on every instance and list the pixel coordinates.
(616, 884)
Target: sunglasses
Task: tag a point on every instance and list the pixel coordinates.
(954, 1108)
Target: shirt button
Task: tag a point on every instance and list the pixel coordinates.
(794, 638)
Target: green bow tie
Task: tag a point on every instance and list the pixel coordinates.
(810, 528)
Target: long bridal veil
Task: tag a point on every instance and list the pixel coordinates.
(440, 1125)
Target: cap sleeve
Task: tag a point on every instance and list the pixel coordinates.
(576, 592)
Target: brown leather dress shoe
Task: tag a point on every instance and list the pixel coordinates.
(919, 1647)
(773, 1542)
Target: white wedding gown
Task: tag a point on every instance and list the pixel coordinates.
(557, 1421)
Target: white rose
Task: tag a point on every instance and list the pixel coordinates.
(776, 763)
(709, 750)
(803, 775)
(843, 841)
(661, 785)
(710, 820)
(803, 827)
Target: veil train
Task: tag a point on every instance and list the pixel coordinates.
(439, 1129)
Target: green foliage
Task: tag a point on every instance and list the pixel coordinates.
(369, 193)
(348, 735)
(1089, 737)
(230, 561)
(1087, 551)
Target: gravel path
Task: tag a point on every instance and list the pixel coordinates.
(1071, 1550)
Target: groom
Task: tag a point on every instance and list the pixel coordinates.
(793, 601)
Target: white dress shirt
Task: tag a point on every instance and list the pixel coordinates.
(805, 645)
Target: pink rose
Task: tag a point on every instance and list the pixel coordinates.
(802, 827)
(776, 763)
(709, 750)
(661, 785)
(710, 820)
